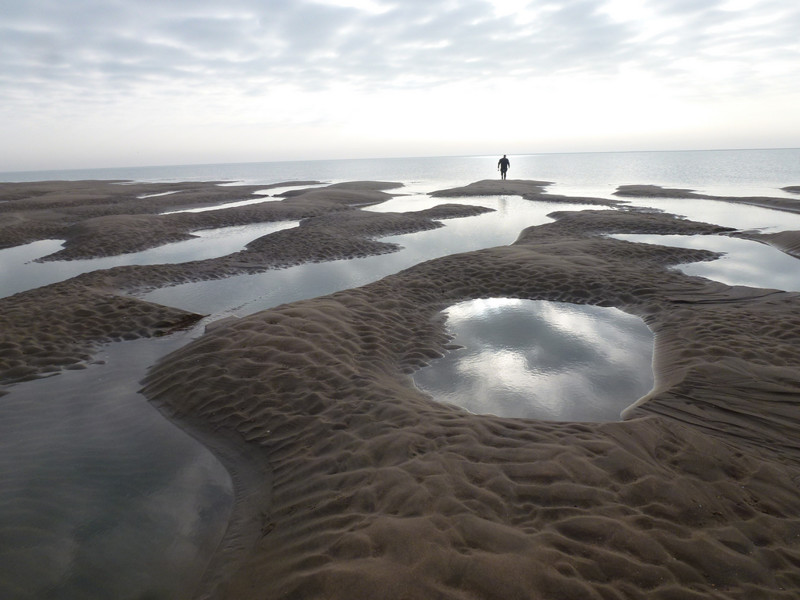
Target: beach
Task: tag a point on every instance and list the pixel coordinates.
(351, 483)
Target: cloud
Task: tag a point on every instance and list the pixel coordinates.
(319, 61)
(91, 43)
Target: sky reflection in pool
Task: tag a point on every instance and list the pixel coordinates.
(745, 262)
(542, 360)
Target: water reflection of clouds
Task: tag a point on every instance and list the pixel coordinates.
(745, 262)
(543, 360)
(104, 487)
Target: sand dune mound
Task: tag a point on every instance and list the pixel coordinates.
(375, 490)
(494, 187)
(41, 210)
(59, 326)
(528, 189)
(128, 229)
(380, 492)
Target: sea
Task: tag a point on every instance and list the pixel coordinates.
(723, 172)
(102, 497)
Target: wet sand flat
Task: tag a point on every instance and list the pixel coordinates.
(377, 491)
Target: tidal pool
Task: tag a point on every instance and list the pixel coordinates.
(542, 360)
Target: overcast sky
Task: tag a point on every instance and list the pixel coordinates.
(94, 83)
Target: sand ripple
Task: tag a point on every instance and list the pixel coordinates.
(376, 490)
(380, 492)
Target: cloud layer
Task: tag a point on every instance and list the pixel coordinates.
(72, 59)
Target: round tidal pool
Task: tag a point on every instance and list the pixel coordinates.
(542, 360)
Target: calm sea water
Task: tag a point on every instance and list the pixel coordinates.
(90, 507)
(744, 172)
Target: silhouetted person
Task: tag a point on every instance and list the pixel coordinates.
(503, 165)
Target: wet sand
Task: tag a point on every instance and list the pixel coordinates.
(374, 490)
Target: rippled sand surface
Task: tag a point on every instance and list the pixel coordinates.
(377, 491)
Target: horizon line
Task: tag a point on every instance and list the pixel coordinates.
(364, 158)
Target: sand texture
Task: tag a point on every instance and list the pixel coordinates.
(110, 222)
(376, 491)
(379, 492)
(343, 235)
(58, 326)
(42, 210)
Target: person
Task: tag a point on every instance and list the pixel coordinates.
(503, 165)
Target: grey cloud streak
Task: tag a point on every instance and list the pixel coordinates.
(90, 46)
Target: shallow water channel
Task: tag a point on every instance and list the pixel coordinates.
(245, 294)
(20, 272)
(542, 360)
(101, 496)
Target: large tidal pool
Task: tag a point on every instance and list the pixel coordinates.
(542, 360)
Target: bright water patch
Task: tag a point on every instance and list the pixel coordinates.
(542, 360)
(745, 262)
(18, 273)
(143, 196)
(722, 172)
(727, 214)
(715, 172)
(10, 258)
(101, 496)
(258, 200)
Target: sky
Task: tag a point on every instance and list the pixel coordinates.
(111, 83)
